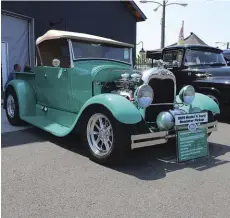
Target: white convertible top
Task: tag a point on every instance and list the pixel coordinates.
(56, 34)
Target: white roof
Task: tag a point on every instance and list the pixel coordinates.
(56, 34)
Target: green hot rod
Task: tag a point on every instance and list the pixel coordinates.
(87, 84)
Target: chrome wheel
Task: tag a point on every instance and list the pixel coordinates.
(100, 134)
(10, 106)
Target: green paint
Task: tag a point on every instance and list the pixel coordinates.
(200, 103)
(67, 93)
(192, 145)
(121, 108)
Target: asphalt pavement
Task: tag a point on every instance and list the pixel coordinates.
(45, 176)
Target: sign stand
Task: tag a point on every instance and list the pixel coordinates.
(192, 145)
(191, 142)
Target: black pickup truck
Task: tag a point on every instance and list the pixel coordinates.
(204, 67)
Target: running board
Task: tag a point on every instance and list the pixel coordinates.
(47, 125)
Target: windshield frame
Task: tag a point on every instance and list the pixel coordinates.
(176, 50)
(91, 58)
(203, 50)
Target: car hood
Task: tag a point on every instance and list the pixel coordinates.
(103, 70)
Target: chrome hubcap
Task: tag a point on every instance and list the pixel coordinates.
(10, 106)
(100, 134)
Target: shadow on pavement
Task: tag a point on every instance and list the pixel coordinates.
(150, 163)
(34, 135)
(155, 162)
(20, 137)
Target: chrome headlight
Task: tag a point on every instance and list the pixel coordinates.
(144, 95)
(165, 120)
(187, 94)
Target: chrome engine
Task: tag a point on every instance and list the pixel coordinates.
(125, 86)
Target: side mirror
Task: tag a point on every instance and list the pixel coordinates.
(56, 62)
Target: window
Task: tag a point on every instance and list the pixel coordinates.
(175, 55)
(201, 57)
(55, 49)
(92, 50)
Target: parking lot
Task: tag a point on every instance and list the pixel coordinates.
(45, 176)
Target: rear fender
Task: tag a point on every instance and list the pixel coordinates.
(26, 96)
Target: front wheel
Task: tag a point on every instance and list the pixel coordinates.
(106, 138)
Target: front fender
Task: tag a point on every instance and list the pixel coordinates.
(26, 96)
(121, 108)
(201, 102)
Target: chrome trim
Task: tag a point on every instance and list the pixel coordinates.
(71, 53)
(163, 136)
(159, 73)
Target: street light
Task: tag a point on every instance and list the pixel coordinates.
(163, 5)
(224, 43)
(142, 51)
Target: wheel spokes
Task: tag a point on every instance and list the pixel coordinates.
(100, 134)
(101, 123)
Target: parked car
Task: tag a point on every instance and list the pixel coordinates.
(86, 84)
(204, 67)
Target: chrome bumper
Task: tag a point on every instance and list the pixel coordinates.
(162, 137)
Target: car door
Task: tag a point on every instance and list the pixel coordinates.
(52, 79)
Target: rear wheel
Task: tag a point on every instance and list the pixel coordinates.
(106, 138)
(12, 107)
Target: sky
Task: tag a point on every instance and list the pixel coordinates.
(208, 19)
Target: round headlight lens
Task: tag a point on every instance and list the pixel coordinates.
(144, 95)
(165, 120)
(187, 94)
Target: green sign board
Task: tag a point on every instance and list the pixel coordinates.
(192, 144)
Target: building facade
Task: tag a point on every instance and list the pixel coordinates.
(23, 22)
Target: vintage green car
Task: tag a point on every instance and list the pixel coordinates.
(87, 84)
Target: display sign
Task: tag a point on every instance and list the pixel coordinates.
(184, 119)
(192, 144)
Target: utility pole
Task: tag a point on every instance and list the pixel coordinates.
(163, 25)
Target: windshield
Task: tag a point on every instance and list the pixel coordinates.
(202, 57)
(91, 50)
(173, 55)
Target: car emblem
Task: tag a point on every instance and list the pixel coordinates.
(192, 126)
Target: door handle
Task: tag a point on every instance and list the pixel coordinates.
(45, 75)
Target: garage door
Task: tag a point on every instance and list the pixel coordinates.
(15, 33)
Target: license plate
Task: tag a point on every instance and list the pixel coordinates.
(185, 119)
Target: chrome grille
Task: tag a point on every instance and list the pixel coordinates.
(163, 93)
